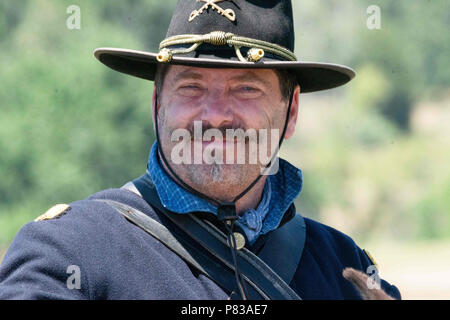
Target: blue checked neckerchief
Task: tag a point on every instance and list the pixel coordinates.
(279, 192)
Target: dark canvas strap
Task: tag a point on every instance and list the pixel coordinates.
(189, 253)
(282, 251)
(212, 239)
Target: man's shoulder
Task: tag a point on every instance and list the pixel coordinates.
(83, 228)
(331, 251)
(326, 233)
(83, 220)
(326, 242)
(95, 238)
(91, 210)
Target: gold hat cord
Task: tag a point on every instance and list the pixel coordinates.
(258, 47)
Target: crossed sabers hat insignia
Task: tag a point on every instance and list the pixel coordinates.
(229, 13)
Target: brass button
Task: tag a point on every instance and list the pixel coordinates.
(240, 240)
(164, 55)
(255, 54)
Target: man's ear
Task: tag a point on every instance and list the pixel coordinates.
(293, 114)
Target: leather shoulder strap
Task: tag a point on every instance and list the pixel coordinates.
(283, 250)
(189, 253)
(256, 272)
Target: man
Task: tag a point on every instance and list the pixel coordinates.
(196, 226)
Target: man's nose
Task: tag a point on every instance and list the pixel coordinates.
(217, 111)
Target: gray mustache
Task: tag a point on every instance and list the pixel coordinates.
(221, 129)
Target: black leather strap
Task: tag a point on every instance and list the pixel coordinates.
(257, 273)
(283, 250)
(178, 244)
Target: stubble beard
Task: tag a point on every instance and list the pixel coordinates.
(220, 181)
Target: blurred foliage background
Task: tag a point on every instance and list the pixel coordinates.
(375, 153)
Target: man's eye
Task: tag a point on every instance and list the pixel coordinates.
(247, 92)
(191, 86)
(248, 89)
(190, 90)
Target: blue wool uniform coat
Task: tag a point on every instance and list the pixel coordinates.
(117, 260)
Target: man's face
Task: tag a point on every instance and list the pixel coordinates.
(223, 99)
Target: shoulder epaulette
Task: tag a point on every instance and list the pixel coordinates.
(54, 212)
(370, 258)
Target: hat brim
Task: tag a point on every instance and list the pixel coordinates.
(312, 76)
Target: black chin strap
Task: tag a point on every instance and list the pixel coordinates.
(226, 211)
